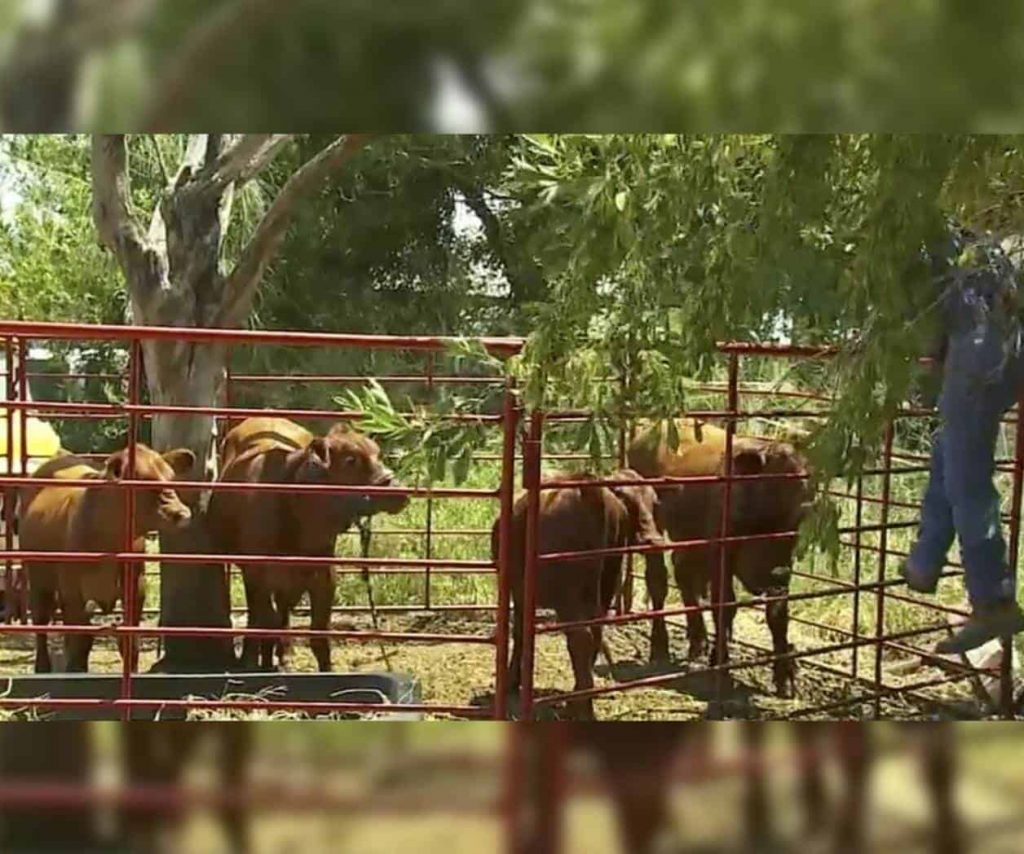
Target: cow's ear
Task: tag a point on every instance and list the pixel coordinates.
(320, 450)
(748, 460)
(181, 460)
(114, 468)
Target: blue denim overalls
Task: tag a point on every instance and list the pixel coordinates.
(981, 381)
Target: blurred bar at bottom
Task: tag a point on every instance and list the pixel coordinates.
(543, 788)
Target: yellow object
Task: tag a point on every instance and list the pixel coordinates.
(43, 441)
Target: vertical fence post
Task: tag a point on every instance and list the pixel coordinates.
(855, 628)
(1007, 700)
(722, 578)
(10, 585)
(883, 544)
(624, 600)
(21, 350)
(429, 532)
(509, 426)
(130, 568)
(532, 453)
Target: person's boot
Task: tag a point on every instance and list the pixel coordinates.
(994, 620)
(917, 580)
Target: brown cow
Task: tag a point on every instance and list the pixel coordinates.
(577, 520)
(275, 450)
(693, 512)
(62, 518)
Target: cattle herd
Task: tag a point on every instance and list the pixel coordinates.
(56, 517)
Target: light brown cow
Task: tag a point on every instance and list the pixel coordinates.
(694, 511)
(276, 450)
(576, 520)
(70, 518)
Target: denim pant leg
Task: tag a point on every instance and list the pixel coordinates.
(968, 451)
(979, 385)
(936, 531)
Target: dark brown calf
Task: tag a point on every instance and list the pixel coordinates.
(578, 520)
(694, 512)
(275, 450)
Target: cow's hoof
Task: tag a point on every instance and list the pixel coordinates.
(698, 650)
(660, 656)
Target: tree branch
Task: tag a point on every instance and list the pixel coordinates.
(249, 156)
(111, 198)
(524, 279)
(192, 160)
(266, 239)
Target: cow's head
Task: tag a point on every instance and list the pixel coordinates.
(773, 504)
(644, 509)
(346, 457)
(155, 509)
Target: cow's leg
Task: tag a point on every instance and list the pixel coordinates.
(580, 642)
(777, 616)
(136, 619)
(273, 621)
(611, 583)
(853, 743)
(690, 581)
(938, 764)
(285, 602)
(42, 601)
(257, 604)
(77, 646)
(656, 577)
(321, 600)
(723, 610)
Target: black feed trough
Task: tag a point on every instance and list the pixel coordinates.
(390, 691)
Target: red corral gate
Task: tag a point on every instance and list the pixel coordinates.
(873, 518)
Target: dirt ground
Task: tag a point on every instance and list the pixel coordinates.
(461, 674)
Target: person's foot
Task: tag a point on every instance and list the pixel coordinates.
(987, 622)
(916, 580)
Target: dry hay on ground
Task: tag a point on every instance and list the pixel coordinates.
(461, 674)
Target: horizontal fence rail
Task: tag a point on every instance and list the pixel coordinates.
(873, 517)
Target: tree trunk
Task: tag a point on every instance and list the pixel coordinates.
(190, 594)
(174, 279)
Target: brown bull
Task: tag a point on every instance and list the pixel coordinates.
(275, 450)
(636, 761)
(578, 520)
(74, 519)
(693, 512)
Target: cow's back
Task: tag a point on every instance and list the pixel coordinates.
(262, 434)
(47, 511)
